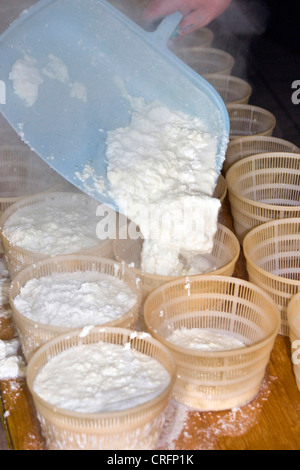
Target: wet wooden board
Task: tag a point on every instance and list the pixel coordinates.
(270, 422)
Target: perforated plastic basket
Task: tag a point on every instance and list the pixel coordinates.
(247, 120)
(223, 258)
(293, 315)
(22, 174)
(272, 253)
(233, 90)
(206, 60)
(32, 333)
(18, 258)
(137, 428)
(221, 189)
(210, 380)
(263, 187)
(247, 146)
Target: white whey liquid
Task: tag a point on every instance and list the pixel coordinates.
(99, 378)
(162, 174)
(204, 340)
(75, 300)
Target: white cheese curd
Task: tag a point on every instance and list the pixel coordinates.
(204, 340)
(54, 226)
(99, 378)
(11, 365)
(75, 300)
(162, 174)
(26, 80)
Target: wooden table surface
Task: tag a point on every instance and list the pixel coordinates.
(270, 422)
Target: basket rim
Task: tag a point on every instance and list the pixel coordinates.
(212, 354)
(230, 78)
(61, 259)
(214, 50)
(102, 416)
(157, 277)
(260, 138)
(251, 107)
(255, 157)
(40, 198)
(207, 33)
(263, 227)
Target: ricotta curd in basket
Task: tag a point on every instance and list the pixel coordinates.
(54, 226)
(75, 299)
(100, 378)
(202, 339)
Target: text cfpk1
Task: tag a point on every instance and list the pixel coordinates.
(296, 93)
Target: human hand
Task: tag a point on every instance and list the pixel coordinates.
(196, 13)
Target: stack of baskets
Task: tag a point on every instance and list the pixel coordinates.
(263, 181)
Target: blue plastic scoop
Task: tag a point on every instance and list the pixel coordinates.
(66, 64)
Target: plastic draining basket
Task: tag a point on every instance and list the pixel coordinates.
(210, 380)
(247, 120)
(221, 189)
(137, 428)
(206, 60)
(233, 90)
(22, 174)
(293, 315)
(247, 146)
(223, 258)
(272, 253)
(33, 334)
(263, 187)
(18, 258)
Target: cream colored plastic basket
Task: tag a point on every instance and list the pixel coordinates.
(233, 90)
(221, 189)
(206, 60)
(246, 146)
(22, 174)
(247, 120)
(137, 428)
(213, 380)
(263, 187)
(33, 334)
(293, 315)
(272, 253)
(223, 257)
(18, 258)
